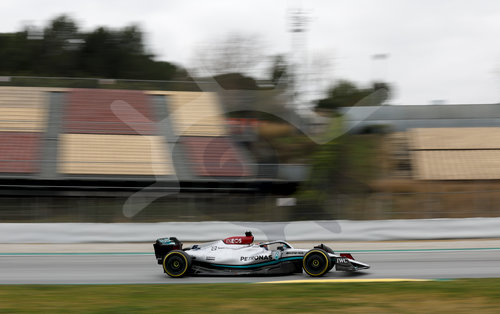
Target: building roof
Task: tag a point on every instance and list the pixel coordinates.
(402, 118)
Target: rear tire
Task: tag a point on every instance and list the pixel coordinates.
(316, 263)
(176, 263)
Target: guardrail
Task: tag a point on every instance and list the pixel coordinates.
(322, 230)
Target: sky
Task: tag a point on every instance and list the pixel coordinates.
(445, 51)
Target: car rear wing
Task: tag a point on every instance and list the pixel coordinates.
(164, 245)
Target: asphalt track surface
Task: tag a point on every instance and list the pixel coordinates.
(141, 268)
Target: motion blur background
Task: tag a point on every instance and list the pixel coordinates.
(268, 112)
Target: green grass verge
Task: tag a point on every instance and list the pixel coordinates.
(457, 296)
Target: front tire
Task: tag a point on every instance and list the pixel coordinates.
(176, 263)
(316, 263)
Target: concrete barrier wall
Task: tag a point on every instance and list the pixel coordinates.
(341, 230)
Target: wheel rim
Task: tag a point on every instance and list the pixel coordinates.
(315, 264)
(175, 265)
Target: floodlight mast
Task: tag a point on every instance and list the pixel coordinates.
(299, 20)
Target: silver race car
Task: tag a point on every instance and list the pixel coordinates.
(239, 256)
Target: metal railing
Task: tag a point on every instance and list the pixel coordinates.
(221, 206)
(94, 82)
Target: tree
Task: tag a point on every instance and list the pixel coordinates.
(236, 81)
(279, 69)
(237, 53)
(60, 42)
(64, 50)
(346, 94)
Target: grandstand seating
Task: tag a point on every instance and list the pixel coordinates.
(92, 140)
(23, 109)
(214, 156)
(113, 155)
(23, 116)
(455, 153)
(195, 113)
(89, 111)
(455, 138)
(457, 164)
(19, 152)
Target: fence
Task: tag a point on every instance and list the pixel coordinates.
(251, 206)
(80, 82)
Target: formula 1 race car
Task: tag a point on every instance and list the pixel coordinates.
(238, 256)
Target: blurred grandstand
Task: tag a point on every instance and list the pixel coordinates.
(78, 154)
(65, 154)
(435, 160)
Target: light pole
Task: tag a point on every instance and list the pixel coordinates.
(297, 80)
(379, 67)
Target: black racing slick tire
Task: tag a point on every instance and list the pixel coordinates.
(316, 263)
(176, 263)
